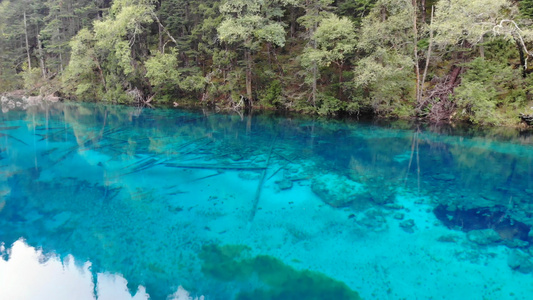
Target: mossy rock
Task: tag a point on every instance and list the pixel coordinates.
(340, 191)
(233, 263)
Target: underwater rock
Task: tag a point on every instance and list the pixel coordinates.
(339, 191)
(399, 216)
(284, 184)
(515, 243)
(495, 218)
(250, 175)
(236, 157)
(448, 238)
(443, 177)
(408, 225)
(483, 236)
(374, 219)
(520, 261)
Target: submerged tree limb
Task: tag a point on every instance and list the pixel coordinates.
(260, 185)
(213, 167)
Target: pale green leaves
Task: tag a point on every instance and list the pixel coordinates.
(470, 20)
(162, 69)
(335, 37)
(273, 33)
(389, 24)
(128, 22)
(233, 30)
(249, 21)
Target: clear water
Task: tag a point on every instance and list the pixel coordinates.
(269, 207)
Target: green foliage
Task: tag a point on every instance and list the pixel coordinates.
(83, 76)
(162, 69)
(273, 94)
(254, 22)
(355, 9)
(488, 89)
(459, 20)
(316, 56)
(329, 105)
(386, 72)
(335, 39)
(526, 8)
(32, 79)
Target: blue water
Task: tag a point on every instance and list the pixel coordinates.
(271, 207)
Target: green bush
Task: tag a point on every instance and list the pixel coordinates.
(489, 89)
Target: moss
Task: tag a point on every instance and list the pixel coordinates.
(233, 262)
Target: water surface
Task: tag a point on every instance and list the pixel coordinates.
(269, 207)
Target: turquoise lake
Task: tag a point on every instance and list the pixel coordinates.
(229, 206)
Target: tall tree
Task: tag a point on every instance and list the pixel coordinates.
(315, 12)
(386, 70)
(250, 23)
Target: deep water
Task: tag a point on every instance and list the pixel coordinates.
(270, 207)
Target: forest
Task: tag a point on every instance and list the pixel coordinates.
(442, 61)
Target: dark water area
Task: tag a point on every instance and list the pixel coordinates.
(267, 206)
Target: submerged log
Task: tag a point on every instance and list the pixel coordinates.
(213, 167)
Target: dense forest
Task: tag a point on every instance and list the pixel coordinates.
(438, 60)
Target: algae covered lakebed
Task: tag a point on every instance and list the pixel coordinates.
(165, 203)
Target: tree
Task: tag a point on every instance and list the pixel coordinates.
(335, 38)
(315, 12)
(385, 72)
(250, 23)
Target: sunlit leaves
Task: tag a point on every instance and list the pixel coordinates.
(336, 38)
(466, 20)
(162, 69)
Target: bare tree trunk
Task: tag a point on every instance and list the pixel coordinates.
(161, 49)
(453, 77)
(101, 72)
(429, 51)
(27, 43)
(315, 67)
(339, 93)
(415, 51)
(248, 58)
(41, 56)
(314, 85)
(383, 14)
(60, 62)
(522, 57)
(423, 2)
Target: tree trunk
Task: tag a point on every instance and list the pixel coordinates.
(341, 66)
(415, 50)
(315, 67)
(61, 62)
(27, 43)
(423, 2)
(522, 57)
(248, 58)
(428, 57)
(41, 56)
(383, 14)
(453, 77)
(159, 27)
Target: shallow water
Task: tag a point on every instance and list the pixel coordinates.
(268, 207)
